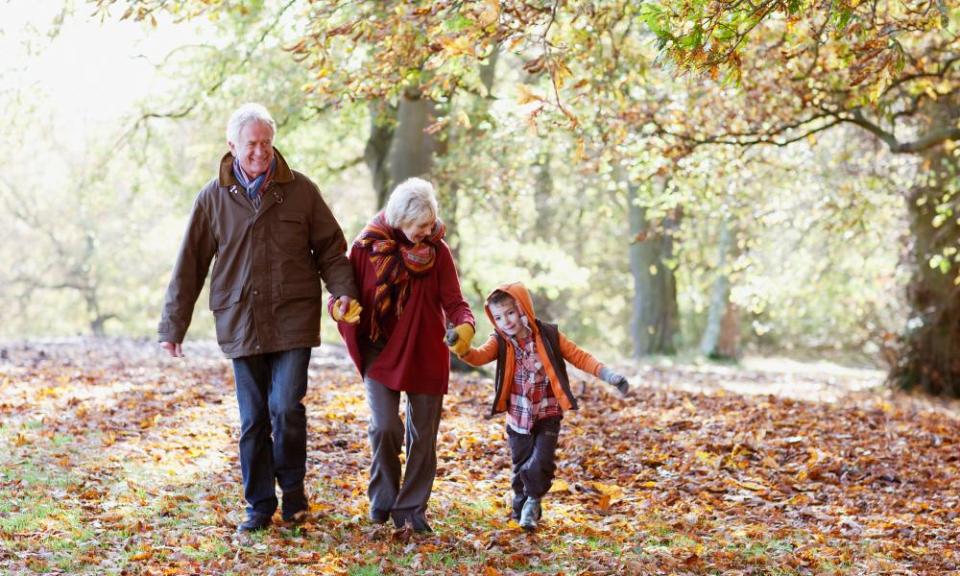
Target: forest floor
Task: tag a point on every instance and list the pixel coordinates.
(117, 460)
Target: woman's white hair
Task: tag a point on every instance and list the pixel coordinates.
(250, 112)
(411, 201)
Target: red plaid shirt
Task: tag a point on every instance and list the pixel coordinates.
(531, 398)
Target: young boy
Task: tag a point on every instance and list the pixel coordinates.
(532, 387)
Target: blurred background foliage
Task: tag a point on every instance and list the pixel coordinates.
(556, 172)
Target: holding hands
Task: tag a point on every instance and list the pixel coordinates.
(346, 309)
(458, 338)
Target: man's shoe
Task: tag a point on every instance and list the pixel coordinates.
(255, 522)
(530, 514)
(420, 524)
(378, 516)
(294, 506)
(297, 517)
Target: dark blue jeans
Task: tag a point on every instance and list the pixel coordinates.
(273, 428)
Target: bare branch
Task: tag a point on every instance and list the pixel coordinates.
(925, 142)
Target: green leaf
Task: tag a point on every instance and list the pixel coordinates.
(458, 24)
(655, 19)
(843, 18)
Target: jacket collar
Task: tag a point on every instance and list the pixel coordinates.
(227, 179)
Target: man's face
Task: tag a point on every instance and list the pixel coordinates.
(507, 318)
(255, 148)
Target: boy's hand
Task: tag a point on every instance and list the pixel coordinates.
(463, 336)
(618, 381)
(346, 309)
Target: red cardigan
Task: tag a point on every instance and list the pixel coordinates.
(416, 358)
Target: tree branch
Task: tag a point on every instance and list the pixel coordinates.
(925, 142)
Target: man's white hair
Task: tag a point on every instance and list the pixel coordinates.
(249, 112)
(412, 201)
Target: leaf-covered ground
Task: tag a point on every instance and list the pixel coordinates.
(119, 461)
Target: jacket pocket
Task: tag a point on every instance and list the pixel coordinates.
(298, 308)
(227, 314)
(290, 233)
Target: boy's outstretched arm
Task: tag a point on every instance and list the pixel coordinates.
(486, 353)
(586, 362)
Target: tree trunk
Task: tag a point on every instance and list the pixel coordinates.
(459, 139)
(719, 301)
(543, 224)
(929, 354)
(411, 153)
(376, 154)
(728, 345)
(543, 193)
(654, 318)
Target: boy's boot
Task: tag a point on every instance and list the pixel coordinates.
(530, 514)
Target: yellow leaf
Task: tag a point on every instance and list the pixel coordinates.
(706, 457)
(608, 489)
(490, 13)
(527, 95)
(560, 486)
(581, 152)
(754, 486)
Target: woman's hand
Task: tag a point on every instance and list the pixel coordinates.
(461, 345)
(346, 309)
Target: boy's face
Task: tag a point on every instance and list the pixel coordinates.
(507, 318)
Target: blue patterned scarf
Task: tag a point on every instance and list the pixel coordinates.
(253, 187)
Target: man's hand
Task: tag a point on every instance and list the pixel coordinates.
(174, 349)
(461, 345)
(346, 309)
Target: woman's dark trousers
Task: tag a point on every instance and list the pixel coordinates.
(406, 500)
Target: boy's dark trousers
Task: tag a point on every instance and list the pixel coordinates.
(534, 457)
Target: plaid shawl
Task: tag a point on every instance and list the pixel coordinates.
(395, 261)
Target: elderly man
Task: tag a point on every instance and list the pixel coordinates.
(274, 238)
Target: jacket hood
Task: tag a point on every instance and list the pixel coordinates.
(227, 179)
(521, 295)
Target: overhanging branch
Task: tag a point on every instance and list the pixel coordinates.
(925, 142)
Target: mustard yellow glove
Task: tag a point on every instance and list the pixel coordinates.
(464, 336)
(353, 312)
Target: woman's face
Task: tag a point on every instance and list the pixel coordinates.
(417, 230)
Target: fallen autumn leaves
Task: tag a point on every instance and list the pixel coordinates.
(122, 462)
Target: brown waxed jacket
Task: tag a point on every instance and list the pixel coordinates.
(265, 290)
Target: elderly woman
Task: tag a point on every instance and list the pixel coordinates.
(409, 291)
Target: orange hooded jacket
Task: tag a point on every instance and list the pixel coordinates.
(547, 338)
